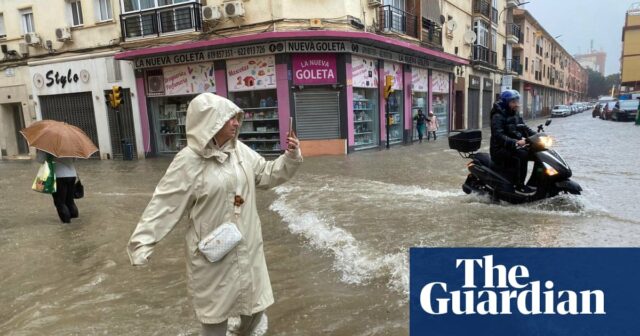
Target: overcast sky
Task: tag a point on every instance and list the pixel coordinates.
(579, 21)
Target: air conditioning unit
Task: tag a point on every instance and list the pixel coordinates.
(63, 33)
(233, 9)
(155, 84)
(375, 3)
(211, 13)
(32, 38)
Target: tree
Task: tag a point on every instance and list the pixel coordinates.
(597, 84)
(613, 81)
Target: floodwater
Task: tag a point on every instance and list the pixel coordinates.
(336, 236)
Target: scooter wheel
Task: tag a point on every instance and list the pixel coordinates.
(467, 190)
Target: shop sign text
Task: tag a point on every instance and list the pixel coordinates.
(56, 78)
(314, 69)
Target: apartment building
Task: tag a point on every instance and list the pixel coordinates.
(549, 75)
(58, 64)
(630, 62)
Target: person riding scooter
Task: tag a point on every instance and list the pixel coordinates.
(508, 132)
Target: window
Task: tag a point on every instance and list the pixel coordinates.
(481, 29)
(138, 5)
(3, 33)
(103, 10)
(526, 64)
(527, 35)
(76, 13)
(494, 39)
(27, 21)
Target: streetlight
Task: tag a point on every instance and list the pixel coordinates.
(519, 4)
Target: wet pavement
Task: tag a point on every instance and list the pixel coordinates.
(336, 236)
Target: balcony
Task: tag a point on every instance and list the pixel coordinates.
(431, 34)
(482, 7)
(395, 20)
(514, 34)
(161, 21)
(483, 56)
(513, 66)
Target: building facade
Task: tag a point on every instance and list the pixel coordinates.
(322, 64)
(595, 60)
(58, 64)
(630, 63)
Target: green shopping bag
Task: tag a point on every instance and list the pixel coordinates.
(45, 181)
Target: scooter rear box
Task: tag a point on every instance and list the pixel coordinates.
(466, 141)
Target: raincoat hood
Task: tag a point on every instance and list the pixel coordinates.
(206, 115)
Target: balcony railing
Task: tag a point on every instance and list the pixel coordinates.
(483, 54)
(513, 65)
(396, 20)
(514, 29)
(161, 21)
(431, 33)
(482, 7)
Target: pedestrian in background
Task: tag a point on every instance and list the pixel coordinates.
(432, 126)
(213, 180)
(65, 173)
(420, 119)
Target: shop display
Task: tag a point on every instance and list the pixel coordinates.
(396, 102)
(366, 112)
(260, 128)
(170, 118)
(440, 103)
(419, 102)
(419, 92)
(365, 118)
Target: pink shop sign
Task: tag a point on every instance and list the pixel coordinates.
(314, 69)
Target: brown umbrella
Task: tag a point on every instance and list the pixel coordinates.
(59, 139)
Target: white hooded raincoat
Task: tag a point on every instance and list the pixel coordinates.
(201, 182)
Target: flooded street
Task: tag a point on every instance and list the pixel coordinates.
(336, 237)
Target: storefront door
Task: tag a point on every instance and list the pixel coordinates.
(487, 103)
(317, 114)
(73, 108)
(18, 122)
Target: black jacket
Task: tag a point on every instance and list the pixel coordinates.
(506, 129)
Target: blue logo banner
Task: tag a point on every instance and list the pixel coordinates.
(524, 291)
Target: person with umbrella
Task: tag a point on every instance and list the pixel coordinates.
(60, 143)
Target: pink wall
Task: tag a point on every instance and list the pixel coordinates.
(408, 102)
(144, 116)
(383, 107)
(284, 110)
(350, 126)
(221, 83)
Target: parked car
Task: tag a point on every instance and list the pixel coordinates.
(561, 111)
(573, 108)
(607, 110)
(596, 110)
(626, 110)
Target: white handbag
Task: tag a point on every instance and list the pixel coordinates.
(220, 241)
(226, 236)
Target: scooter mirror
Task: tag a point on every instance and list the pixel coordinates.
(548, 122)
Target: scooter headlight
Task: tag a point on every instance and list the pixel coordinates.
(549, 170)
(546, 142)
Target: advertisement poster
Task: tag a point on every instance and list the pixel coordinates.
(395, 70)
(255, 73)
(189, 79)
(314, 69)
(364, 72)
(440, 82)
(419, 79)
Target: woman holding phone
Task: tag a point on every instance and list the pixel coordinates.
(213, 180)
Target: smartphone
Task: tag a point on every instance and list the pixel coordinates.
(290, 126)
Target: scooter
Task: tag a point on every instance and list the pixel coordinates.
(550, 176)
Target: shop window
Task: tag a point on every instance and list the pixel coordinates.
(76, 13)
(260, 128)
(169, 114)
(27, 21)
(366, 112)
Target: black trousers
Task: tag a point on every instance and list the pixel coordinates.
(63, 199)
(514, 163)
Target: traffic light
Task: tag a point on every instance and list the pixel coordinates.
(115, 97)
(388, 86)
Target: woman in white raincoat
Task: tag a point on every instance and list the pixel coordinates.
(202, 181)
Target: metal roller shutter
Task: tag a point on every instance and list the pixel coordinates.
(487, 104)
(73, 108)
(317, 114)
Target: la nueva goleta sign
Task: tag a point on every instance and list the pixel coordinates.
(283, 47)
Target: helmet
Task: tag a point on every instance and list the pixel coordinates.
(509, 95)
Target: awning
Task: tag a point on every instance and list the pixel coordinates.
(364, 38)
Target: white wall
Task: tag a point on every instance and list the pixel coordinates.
(97, 84)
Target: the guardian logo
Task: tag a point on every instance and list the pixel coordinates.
(490, 288)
